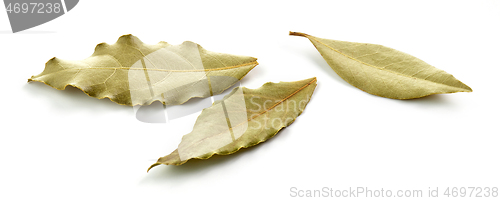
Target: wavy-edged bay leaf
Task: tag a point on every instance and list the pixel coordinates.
(130, 72)
(384, 71)
(243, 118)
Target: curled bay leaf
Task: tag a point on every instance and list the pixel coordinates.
(384, 71)
(130, 72)
(243, 118)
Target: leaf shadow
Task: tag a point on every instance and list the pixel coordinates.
(194, 167)
(435, 100)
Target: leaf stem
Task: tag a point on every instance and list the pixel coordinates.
(298, 34)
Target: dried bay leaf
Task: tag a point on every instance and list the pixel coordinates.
(130, 72)
(243, 118)
(383, 71)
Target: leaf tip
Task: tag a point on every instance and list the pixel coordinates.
(467, 88)
(292, 33)
(152, 166)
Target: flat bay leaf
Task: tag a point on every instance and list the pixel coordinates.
(243, 118)
(384, 71)
(130, 72)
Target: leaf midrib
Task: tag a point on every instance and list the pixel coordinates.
(154, 69)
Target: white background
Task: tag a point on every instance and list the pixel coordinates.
(65, 145)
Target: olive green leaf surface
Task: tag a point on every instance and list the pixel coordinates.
(243, 118)
(383, 71)
(130, 72)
